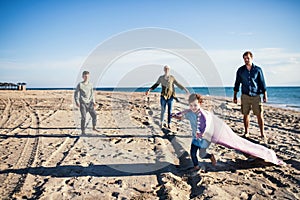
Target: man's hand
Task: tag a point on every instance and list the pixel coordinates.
(77, 104)
(234, 99)
(265, 98)
(147, 92)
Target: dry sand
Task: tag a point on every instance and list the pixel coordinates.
(44, 156)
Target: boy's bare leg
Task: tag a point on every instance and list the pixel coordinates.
(213, 160)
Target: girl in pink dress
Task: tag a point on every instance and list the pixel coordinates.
(208, 128)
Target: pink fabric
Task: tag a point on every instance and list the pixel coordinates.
(217, 131)
(224, 136)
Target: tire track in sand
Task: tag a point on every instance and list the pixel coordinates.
(6, 113)
(15, 182)
(18, 121)
(63, 147)
(4, 143)
(56, 157)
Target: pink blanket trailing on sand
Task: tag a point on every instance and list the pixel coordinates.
(224, 135)
(217, 131)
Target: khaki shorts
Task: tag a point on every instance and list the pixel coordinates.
(251, 103)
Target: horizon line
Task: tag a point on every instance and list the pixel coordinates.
(125, 87)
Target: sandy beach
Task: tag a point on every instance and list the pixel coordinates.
(44, 156)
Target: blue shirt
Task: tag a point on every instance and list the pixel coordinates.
(199, 142)
(253, 82)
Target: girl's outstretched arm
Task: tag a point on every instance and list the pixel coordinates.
(176, 116)
(179, 115)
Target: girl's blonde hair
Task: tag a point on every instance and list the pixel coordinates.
(194, 97)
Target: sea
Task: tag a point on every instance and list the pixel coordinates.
(283, 97)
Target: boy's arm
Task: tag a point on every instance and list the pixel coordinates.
(93, 98)
(93, 95)
(76, 93)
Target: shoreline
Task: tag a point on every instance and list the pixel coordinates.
(282, 106)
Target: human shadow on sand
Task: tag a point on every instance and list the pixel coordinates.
(137, 169)
(110, 170)
(88, 135)
(72, 128)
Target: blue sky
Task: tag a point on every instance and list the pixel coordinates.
(45, 43)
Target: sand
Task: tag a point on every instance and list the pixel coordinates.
(44, 155)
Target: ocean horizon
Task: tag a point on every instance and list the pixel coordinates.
(279, 96)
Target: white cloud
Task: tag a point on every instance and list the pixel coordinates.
(191, 67)
(55, 73)
(141, 68)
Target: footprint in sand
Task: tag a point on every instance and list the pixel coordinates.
(146, 123)
(268, 189)
(115, 194)
(115, 141)
(156, 122)
(117, 155)
(119, 182)
(274, 180)
(150, 112)
(129, 140)
(70, 182)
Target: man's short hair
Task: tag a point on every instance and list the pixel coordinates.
(248, 53)
(85, 73)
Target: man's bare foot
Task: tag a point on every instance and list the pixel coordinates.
(213, 160)
(94, 129)
(247, 134)
(264, 139)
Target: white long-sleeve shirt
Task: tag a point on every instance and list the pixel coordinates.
(84, 93)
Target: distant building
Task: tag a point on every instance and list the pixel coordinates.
(13, 86)
(22, 86)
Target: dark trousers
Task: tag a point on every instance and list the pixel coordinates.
(164, 102)
(84, 108)
(202, 154)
